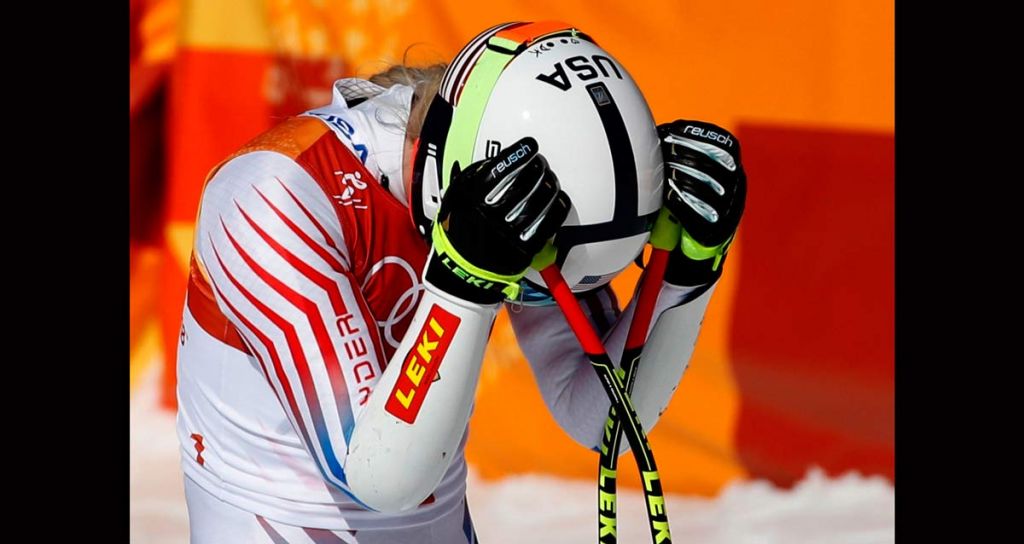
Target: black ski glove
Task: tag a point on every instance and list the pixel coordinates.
(706, 189)
(496, 215)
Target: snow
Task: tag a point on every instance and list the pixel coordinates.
(852, 509)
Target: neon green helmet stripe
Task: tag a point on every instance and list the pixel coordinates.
(472, 102)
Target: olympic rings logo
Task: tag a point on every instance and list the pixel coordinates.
(405, 304)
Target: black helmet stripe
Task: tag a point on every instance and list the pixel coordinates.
(626, 220)
(574, 235)
(623, 162)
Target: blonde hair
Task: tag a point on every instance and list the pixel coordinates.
(424, 80)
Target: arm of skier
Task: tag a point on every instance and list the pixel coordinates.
(570, 387)
(706, 191)
(268, 238)
(269, 241)
(495, 216)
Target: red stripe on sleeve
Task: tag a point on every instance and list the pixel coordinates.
(317, 248)
(327, 284)
(316, 323)
(309, 215)
(314, 275)
(264, 339)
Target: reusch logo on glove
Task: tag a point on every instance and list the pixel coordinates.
(511, 159)
(708, 135)
(421, 364)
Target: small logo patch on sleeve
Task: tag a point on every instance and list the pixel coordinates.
(421, 363)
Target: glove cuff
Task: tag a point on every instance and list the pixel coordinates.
(699, 252)
(696, 264)
(450, 271)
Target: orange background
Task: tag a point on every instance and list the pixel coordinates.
(794, 365)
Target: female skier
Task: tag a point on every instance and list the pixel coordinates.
(349, 263)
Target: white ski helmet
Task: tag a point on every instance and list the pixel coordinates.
(591, 122)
